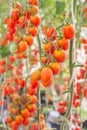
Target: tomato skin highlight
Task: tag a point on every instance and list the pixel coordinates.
(22, 46)
(60, 55)
(55, 66)
(46, 76)
(35, 20)
(33, 31)
(63, 43)
(36, 75)
(29, 40)
(33, 2)
(69, 31)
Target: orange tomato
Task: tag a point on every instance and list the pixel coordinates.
(9, 120)
(10, 36)
(63, 43)
(14, 126)
(22, 46)
(29, 40)
(6, 20)
(25, 113)
(33, 2)
(35, 20)
(2, 62)
(69, 31)
(2, 69)
(43, 59)
(4, 41)
(35, 84)
(33, 99)
(15, 14)
(33, 31)
(14, 111)
(46, 76)
(36, 75)
(17, 39)
(34, 10)
(10, 23)
(35, 126)
(26, 122)
(12, 59)
(43, 126)
(60, 55)
(41, 117)
(55, 66)
(19, 56)
(24, 56)
(47, 46)
(22, 21)
(32, 108)
(32, 91)
(19, 120)
(48, 83)
(50, 32)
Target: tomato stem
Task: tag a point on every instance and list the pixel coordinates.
(71, 70)
(60, 26)
(39, 44)
(38, 94)
(71, 86)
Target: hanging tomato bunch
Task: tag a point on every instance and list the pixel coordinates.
(21, 90)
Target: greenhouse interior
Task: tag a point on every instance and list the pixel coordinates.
(43, 64)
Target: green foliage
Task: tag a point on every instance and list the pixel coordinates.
(45, 3)
(7, 50)
(4, 51)
(60, 6)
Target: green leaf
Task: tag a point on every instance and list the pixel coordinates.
(77, 65)
(45, 3)
(13, 47)
(7, 50)
(4, 51)
(60, 6)
(67, 91)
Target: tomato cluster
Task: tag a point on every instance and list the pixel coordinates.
(62, 106)
(22, 95)
(80, 88)
(23, 106)
(22, 30)
(76, 121)
(55, 51)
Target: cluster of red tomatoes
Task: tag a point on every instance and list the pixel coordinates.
(80, 88)
(62, 106)
(55, 51)
(55, 54)
(22, 19)
(22, 28)
(76, 121)
(23, 106)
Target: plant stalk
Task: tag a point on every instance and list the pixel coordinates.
(38, 94)
(72, 45)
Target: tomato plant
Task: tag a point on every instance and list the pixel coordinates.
(40, 45)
